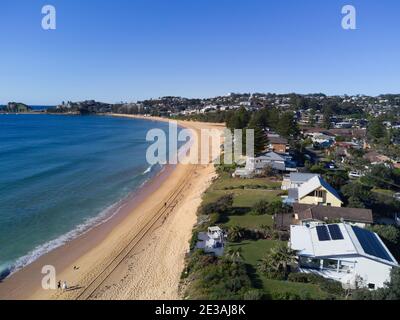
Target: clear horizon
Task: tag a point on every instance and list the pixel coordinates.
(137, 50)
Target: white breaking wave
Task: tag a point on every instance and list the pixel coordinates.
(148, 170)
(81, 229)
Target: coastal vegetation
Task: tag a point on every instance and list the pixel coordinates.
(255, 251)
(15, 107)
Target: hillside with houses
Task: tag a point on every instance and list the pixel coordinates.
(314, 214)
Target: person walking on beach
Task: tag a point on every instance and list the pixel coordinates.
(59, 285)
(64, 286)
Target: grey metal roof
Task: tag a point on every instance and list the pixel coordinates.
(301, 177)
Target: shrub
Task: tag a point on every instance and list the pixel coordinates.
(236, 234)
(299, 277)
(220, 206)
(275, 207)
(253, 294)
(276, 264)
(223, 280)
(330, 286)
(388, 233)
(285, 295)
(260, 208)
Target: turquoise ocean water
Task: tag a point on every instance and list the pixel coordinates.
(59, 175)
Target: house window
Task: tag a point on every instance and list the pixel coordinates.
(319, 194)
(310, 263)
(330, 264)
(371, 286)
(345, 266)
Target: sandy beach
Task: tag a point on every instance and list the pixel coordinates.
(138, 253)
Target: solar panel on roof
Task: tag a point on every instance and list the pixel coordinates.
(322, 232)
(371, 244)
(336, 233)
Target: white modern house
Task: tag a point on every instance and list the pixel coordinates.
(351, 255)
(212, 241)
(277, 161)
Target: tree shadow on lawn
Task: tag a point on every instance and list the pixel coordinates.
(236, 211)
(251, 271)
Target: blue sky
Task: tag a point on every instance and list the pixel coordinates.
(125, 50)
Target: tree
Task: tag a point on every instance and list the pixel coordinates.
(380, 176)
(357, 195)
(376, 130)
(276, 263)
(275, 207)
(236, 233)
(239, 119)
(327, 113)
(220, 206)
(260, 138)
(337, 178)
(287, 126)
(260, 207)
(234, 255)
(388, 233)
(312, 118)
(268, 232)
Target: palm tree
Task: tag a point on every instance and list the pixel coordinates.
(234, 254)
(278, 260)
(235, 233)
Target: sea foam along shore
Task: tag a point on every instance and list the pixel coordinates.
(90, 223)
(104, 215)
(151, 269)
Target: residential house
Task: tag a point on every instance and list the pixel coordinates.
(376, 158)
(278, 144)
(351, 255)
(296, 179)
(322, 140)
(212, 241)
(310, 214)
(276, 161)
(315, 191)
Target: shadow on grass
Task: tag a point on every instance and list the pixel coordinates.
(236, 211)
(256, 282)
(251, 271)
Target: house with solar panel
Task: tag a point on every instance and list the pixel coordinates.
(315, 191)
(346, 253)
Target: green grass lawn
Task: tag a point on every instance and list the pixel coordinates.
(249, 221)
(311, 291)
(243, 198)
(253, 252)
(226, 181)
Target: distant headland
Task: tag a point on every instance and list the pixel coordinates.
(15, 107)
